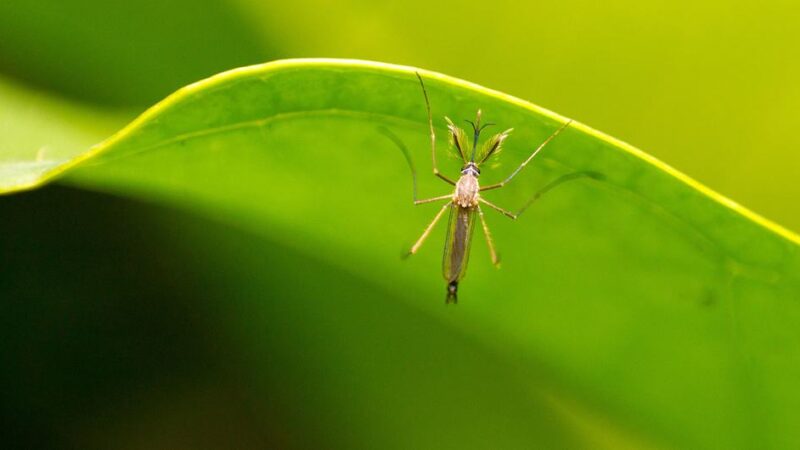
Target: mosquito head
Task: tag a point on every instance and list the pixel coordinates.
(476, 128)
(471, 169)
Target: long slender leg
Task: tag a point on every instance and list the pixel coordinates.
(489, 240)
(396, 140)
(427, 231)
(433, 134)
(548, 187)
(434, 199)
(525, 163)
(555, 183)
(502, 211)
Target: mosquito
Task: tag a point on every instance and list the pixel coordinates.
(466, 200)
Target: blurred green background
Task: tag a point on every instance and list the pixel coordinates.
(119, 325)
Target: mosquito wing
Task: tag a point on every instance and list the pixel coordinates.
(457, 243)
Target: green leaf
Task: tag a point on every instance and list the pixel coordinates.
(640, 310)
(40, 133)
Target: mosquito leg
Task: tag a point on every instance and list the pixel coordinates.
(489, 240)
(502, 211)
(547, 188)
(427, 231)
(434, 199)
(433, 134)
(555, 183)
(396, 140)
(525, 163)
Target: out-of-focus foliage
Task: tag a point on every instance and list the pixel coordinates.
(123, 53)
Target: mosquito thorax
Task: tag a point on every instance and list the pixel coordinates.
(467, 187)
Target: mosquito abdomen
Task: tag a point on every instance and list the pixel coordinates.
(456, 247)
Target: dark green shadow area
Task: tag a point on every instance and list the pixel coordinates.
(120, 330)
(123, 53)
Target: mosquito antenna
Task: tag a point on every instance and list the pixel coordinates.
(500, 138)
